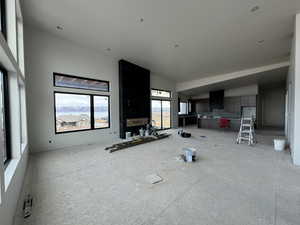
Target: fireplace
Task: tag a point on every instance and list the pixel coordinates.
(134, 86)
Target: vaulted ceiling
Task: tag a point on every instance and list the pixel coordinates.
(183, 40)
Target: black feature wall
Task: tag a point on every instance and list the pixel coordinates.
(216, 100)
(134, 84)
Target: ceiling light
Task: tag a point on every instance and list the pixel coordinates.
(59, 28)
(255, 8)
(176, 45)
(141, 20)
(261, 41)
(108, 49)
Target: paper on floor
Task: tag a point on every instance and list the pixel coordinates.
(153, 179)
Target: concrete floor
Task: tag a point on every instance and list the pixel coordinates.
(229, 184)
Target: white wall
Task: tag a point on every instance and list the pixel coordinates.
(10, 198)
(291, 96)
(273, 106)
(46, 54)
(233, 92)
(242, 91)
(12, 174)
(293, 86)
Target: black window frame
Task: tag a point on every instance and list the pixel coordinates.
(3, 18)
(78, 77)
(155, 89)
(7, 116)
(91, 112)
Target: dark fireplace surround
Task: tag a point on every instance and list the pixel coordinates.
(134, 86)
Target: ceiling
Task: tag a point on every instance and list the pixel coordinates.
(183, 40)
(265, 80)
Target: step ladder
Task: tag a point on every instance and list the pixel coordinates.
(246, 133)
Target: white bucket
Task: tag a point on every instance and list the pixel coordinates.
(128, 135)
(279, 144)
(189, 153)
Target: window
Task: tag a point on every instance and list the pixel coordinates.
(183, 108)
(4, 118)
(68, 81)
(23, 114)
(3, 17)
(73, 112)
(160, 93)
(161, 114)
(101, 111)
(161, 109)
(78, 112)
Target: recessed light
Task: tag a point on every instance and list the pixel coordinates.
(261, 41)
(108, 49)
(142, 20)
(59, 28)
(176, 45)
(255, 8)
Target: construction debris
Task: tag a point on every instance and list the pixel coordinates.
(190, 154)
(181, 158)
(137, 141)
(184, 134)
(153, 179)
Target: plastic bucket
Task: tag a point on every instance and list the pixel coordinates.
(279, 144)
(189, 154)
(128, 135)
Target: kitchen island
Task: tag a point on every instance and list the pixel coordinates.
(213, 123)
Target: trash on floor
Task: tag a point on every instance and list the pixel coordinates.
(27, 206)
(190, 154)
(184, 134)
(135, 141)
(153, 179)
(181, 158)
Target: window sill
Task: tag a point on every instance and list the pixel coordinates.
(10, 171)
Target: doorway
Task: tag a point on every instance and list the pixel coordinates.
(161, 114)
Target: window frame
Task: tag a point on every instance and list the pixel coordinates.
(91, 96)
(155, 89)
(3, 18)
(7, 116)
(93, 110)
(83, 78)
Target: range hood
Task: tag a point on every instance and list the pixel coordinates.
(216, 100)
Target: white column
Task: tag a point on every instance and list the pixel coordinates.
(296, 145)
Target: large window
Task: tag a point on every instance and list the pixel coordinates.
(78, 112)
(183, 110)
(68, 81)
(161, 114)
(3, 17)
(4, 118)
